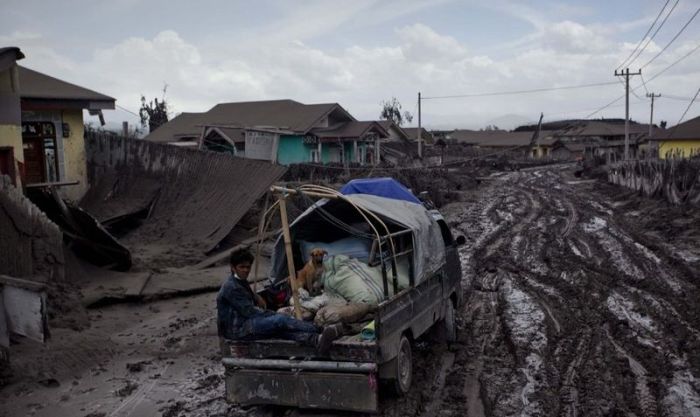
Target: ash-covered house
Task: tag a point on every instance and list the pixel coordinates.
(280, 131)
(681, 141)
(42, 126)
(601, 138)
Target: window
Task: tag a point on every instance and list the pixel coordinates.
(315, 156)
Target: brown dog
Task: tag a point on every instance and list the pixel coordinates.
(312, 271)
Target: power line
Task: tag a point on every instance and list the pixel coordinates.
(671, 65)
(536, 90)
(127, 110)
(675, 62)
(679, 98)
(688, 108)
(674, 38)
(655, 33)
(644, 83)
(645, 35)
(673, 130)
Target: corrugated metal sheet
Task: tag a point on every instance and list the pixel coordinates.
(202, 195)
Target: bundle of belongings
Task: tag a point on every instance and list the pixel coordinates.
(352, 290)
(344, 247)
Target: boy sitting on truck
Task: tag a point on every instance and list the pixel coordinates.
(242, 314)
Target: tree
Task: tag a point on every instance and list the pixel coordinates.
(154, 113)
(391, 110)
(663, 124)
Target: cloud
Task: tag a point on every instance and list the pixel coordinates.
(417, 57)
(571, 37)
(420, 43)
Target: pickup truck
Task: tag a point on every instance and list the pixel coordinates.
(348, 377)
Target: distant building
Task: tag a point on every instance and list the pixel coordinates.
(682, 140)
(279, 131)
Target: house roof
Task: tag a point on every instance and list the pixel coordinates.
(389, 125)
(465, 135)
(34, 85)
(281, 114)
(287, 114)
(412, 133)
(8, 56)
(353, 129)
(601, 128)
(184, 125)
(688, 130)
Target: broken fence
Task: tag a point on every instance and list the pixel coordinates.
(676, 180)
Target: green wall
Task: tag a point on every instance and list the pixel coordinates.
(292, 150)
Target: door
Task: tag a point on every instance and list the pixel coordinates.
(40, 153)
(34, 164)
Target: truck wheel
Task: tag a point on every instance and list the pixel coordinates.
(404, 368)
(450, 323)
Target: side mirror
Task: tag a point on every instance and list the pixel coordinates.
(461, 240)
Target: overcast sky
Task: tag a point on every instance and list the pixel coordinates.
(360, 52)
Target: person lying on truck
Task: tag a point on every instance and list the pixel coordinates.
(242, 314)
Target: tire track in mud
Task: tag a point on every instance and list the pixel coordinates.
(571, 257)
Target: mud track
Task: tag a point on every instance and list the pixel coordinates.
(571, 310)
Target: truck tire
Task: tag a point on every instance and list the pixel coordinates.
(450, 323)
(404, 368)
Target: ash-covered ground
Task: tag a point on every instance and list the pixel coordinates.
(581, 299)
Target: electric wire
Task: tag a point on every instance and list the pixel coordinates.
(674, 38)
(126, 110)
(655, 76)
(513, 92)
(655, 33)
(673, 130)
(644, 83)
(679, 98)
(688, 108)
(644, 37)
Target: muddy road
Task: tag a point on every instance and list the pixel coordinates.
(571, 308)
(574, 306)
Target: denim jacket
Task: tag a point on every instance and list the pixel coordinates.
(235, 304)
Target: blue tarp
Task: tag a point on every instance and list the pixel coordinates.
(382, 187)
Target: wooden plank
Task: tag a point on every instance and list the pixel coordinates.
(52, 184)
(290, 259)
(36, 286)
(26, 312)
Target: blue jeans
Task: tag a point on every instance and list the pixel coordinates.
(279, 326)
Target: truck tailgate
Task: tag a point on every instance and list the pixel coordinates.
(305, 384)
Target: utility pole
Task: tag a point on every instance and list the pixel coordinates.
(420, 136)
(651, 115)
(626, 73)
